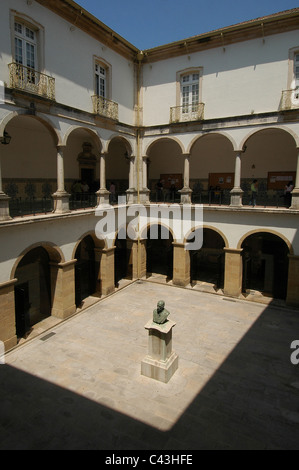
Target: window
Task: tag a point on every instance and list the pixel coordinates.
(25, 46)
(190, 92)
(101, 81)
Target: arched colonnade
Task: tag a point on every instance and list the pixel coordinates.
(43, 282)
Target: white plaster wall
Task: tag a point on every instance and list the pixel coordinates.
(247, 77)
(68, 57)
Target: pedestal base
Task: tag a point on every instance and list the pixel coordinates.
(61, 202)
(103, 197)
(186, 195)
(236, 196)
(4, 206)
(159, 370)
(160, 363)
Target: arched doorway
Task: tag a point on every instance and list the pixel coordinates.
(207, 264)
(85, 270)
(122, 260)
(118, 168)
(32, 290)
(82, 173)
(159, 252)
(265, 265)
(29, 170)
(165, 170)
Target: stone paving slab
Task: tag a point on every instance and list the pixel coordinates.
(81, 387)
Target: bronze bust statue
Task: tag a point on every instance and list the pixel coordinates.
(160, 313)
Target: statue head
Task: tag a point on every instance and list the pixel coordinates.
(160, 305)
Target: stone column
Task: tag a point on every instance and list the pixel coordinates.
(295, 192)
(63, 289)
(181, 265)
(236, 192)
(61, 197)
(233, 272)
(293, 276)
(144, 191)
(103, 194)
(7, 314)
(186, 191)
(106, 281)
(131, 192)
(4, 199)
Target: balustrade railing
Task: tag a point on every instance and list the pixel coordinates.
(191, 112)
(289, 100)
(104, 107)
(27, 79)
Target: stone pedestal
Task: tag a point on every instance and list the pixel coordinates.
(186, 195)
(61, 202)
(103, 197)
(161, 362)
(4, 207)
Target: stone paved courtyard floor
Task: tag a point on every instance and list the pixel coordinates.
(79, 386)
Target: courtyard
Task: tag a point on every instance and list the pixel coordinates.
(78, 385)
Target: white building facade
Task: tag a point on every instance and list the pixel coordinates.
(84, 113)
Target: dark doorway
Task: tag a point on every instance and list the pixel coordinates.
(87, 175)
(22, 306)
(207, 264)
(85, 272)
(33, 290)
(122, 260)
(159, 252)
(265, 265)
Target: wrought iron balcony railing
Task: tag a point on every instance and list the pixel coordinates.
(104, 107)
(32, 81)
(191, 112)
(289, 99)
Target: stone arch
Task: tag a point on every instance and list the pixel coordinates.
(203, 135)
(54, 252)
(267, 128)
(210, 227)
(207, 263)
(270, 231)
(160, 139)
(55, 133)
(265, 259)
(126, 142)
(144, 230)
(98, 242)
(92, 132)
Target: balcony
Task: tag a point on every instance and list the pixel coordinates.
(185, 113)
(104, 107)
(289, 100)
(29, 80)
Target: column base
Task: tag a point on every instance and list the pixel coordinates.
(185, 195)
(103, 197)
(236, 196)
(4, 206)
(144, 196)
(158, 370)
(131, 196)
(61, 202)
(295, 199)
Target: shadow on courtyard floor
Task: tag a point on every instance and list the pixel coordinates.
(251, 402)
